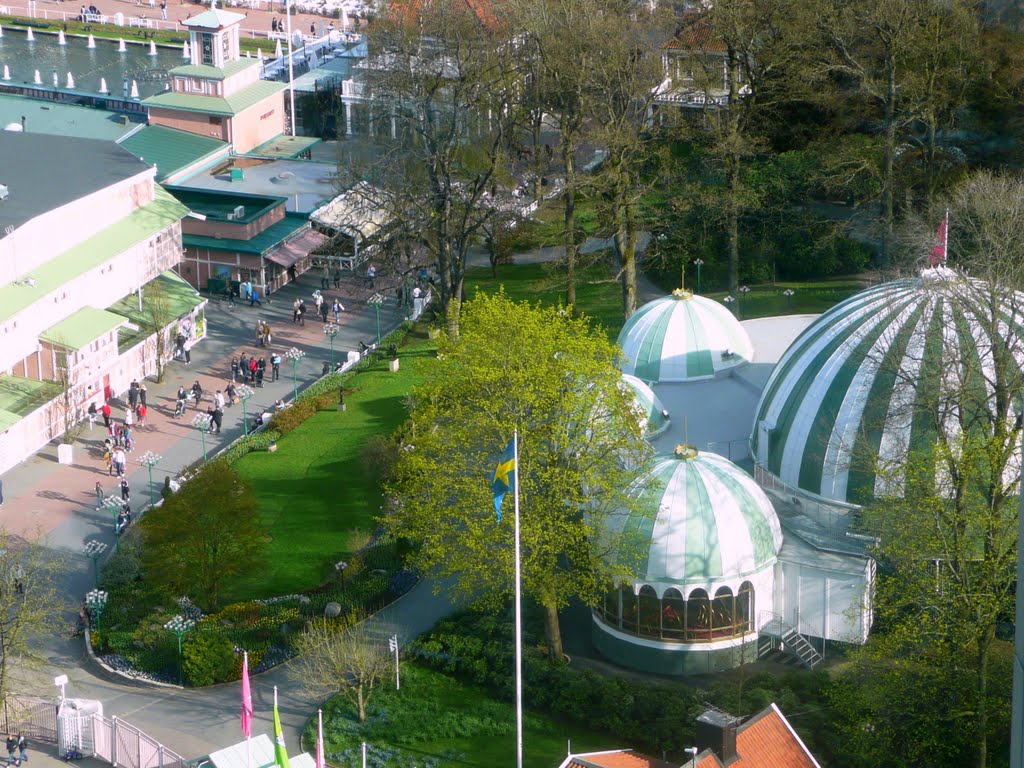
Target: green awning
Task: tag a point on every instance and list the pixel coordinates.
(82, 328)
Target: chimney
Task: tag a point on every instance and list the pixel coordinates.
(717, 731)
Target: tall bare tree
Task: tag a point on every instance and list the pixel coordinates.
(158, 314)
(342, 657)
(447, 76)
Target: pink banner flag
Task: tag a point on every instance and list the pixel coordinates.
(246, 698)
(320, 763)
(938, 254)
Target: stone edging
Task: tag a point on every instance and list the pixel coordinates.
(87, 634)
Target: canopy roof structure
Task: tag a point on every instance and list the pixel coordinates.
(878, 375)
(683, 337)
(359, 213)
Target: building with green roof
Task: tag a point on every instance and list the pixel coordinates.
(176, 154)
(218, 94)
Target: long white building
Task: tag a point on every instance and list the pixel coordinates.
(84, 229)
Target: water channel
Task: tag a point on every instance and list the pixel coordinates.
(87, 66)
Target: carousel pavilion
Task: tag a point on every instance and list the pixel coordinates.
(726, 566)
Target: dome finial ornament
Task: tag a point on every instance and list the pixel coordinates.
(684, 451)
(682, 293)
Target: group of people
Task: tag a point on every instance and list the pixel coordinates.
(253, 371)
(17, 749)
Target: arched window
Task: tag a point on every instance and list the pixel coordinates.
(723, 613)
(649, 612)
(745, 607)
(629, 608)
(673, 615)
(610, 605)
(698, 616)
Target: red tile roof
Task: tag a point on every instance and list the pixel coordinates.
(619, 758)
(409, 10)
(696, 34)
(766, 740)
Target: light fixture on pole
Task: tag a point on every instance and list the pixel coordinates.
(788, 293)
(743, 291)
(180, 626)
(244, 392)
(330, 331)
(692, 752)
(376, 300)
(113, 505)
(202, 423)
(698, 263)
(60, 681)
(96, 600)
(729, 300)
(294, 355)
(94, 549)
(393, 645)
(150, 460)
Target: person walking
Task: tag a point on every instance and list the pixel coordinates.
(124, 489)
(234, 369)
(99, 495)
(302, 313)
(106, 410)
(12, 745)
(253, 365)
(325, 277)
(142, 393)
(129, 417)
(295, 310)
(143, 410)
(371, 275)
(261, 370)
(22, 741)
(216, 416)
(119, 461)
(133, 393)
(275, 364)
(323, 312)
(163, 10)
(93, 413)
(254, 298)
(338, 309)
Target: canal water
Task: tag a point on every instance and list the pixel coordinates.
(86, 65)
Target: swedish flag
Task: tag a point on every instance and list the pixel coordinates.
(504, 479)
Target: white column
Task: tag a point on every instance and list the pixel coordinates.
(348, 118)
(1017, 721)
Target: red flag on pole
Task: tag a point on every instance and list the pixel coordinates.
(246, 698)
(320, 762)
(938, 254)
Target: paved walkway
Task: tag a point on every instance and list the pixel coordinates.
(58, 502)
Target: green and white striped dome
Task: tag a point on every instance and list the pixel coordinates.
(652, 414)
(701, 520)
(683, 337)
(866, 381)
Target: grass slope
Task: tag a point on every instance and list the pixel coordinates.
(597, 294)
(436, 721)
(313, 491)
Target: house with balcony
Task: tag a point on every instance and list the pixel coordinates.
(695, 66)
(88, 296)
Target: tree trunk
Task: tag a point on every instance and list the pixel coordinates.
(553, 632)
(452, 316)
(733, 227)
(625, 244)
(361, 703)
(984, 644)
(568, 151)
(887, 164)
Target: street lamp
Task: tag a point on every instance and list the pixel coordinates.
(788, 293)
(180, 626)
(698, 263)
(729, 300)
(95, 550)
(376, 300)
(744, 290)
(202, 423)
(96, 600)
(244, 392)
(113, 505)
(295, 355)
(330, 331)
(150, 460)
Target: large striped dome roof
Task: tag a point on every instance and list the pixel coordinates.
(701, 520)
(652, 414)
(865, 383)
(682, 337)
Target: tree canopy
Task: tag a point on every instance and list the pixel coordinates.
(203, 535)
(551, 376)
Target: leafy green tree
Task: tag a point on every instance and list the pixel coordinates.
(552, 377)
(204, 535)
(30, 602)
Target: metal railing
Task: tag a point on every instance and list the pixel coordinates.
(122, 744)
(32, 716)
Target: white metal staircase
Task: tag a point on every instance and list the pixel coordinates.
(786, 637)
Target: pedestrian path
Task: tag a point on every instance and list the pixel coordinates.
(58, 502)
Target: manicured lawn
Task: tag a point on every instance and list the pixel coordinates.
(434, 720)
(598, 295)
(809, 298)
(313, 491)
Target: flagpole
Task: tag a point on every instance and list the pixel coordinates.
(248, 736)
(291, 70)
(519, 611)
(945, 240)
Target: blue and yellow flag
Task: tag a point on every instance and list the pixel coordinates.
(504, 479)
